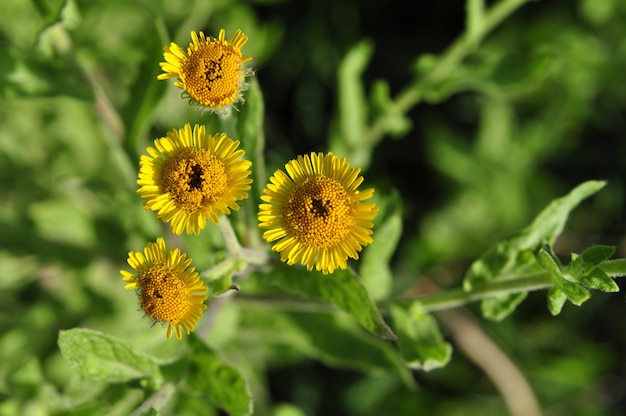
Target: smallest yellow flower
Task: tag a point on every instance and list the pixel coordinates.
(211, 71)
(170, 292)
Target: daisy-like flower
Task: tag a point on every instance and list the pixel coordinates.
(316, 212)
(190, 176)
(170, 292)
(211, 71)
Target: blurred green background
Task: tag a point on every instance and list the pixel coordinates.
(536, 108)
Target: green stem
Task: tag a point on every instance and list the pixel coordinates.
(449, 60)
(459, 297)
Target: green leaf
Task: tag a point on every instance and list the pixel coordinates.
(514, 255)
(547, 226)
(352, 108)
(499, 307)
(595, 255)
(374, 265)
(420, 342)
(24, 76)
(146, 91)
(338, 341)
(218, 381)
(598, 279)
(574, 292)
(397, 123)
(556, 300)
(342, 288)
(99, 357)
(250, 132)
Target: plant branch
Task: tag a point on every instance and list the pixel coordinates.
(450, 59)
(459, 297)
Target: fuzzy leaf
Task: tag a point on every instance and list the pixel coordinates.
(499, 307)
(99, 357)
(595, 255)
(574, 292)
(556, 300)
(598, 279)
(419, 339)
(514, 255)
(219, 382)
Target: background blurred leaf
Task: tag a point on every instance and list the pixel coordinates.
(374, 265)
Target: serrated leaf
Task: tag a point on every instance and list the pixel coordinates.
(342, 289)
(598, 279)
(218, 381)
(556, 300)
(421, 344)
(100, 357)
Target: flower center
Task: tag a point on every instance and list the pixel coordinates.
(164, 295)
(212, 74)
(194, 178)
(319, 212)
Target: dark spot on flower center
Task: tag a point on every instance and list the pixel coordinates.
(318, 207)
(196, 177)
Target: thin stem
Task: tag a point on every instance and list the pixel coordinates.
(230, 238)
(450, 59)
(458, 297)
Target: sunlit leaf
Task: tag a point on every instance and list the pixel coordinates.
(342, 289)
(100, 357)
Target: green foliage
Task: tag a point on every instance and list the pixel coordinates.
(99, 357)
(420, 341)
(465, 120)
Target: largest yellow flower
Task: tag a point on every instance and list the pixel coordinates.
(191, 176)
(316, 212)
(211, 71)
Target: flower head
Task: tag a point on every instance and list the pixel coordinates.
(316, 212)
(190, 176)
(211, 71)
(169, 290)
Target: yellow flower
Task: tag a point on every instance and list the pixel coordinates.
(190, 176)
(317, 213)
(211, 71)
(169, 290)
